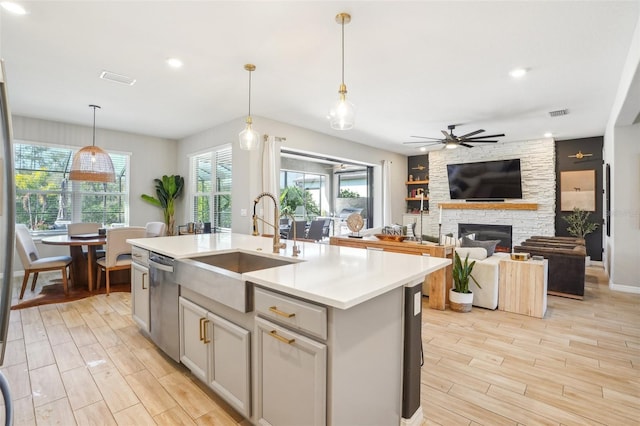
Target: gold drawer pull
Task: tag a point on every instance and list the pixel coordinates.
(143, 280)
(204, 323)
(275, 334)
(281, 313)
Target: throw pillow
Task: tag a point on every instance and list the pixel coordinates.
(489, 245)
(476, 253)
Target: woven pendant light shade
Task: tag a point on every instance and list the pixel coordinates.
(92, 163)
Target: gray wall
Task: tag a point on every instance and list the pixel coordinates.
(246, 165)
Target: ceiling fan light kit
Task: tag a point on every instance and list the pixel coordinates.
(249, 138)
(342, 113)
(92, 163)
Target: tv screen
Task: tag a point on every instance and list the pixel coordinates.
(487, 180)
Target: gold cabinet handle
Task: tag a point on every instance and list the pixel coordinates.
(204, 331)
(281, 313)
(143, 276)
(275, 334)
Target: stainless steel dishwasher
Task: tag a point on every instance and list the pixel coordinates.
(163, 305)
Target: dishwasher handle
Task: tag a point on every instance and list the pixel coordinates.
(160, 266)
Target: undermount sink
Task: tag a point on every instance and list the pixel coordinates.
(219, 276)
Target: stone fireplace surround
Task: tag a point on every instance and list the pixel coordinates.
(537, 160)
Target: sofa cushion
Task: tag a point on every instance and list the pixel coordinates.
(476, 253)
(489, 245)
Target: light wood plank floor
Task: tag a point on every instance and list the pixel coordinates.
(85, 363)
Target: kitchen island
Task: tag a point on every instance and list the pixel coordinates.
(330, 337)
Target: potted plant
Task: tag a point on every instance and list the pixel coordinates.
(168, 189)
(580, 227)
(460, 297)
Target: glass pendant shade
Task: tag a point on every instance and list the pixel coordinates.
(92, 163)
(248, 138)
(342, 115)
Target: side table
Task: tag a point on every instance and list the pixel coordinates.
(522, 287)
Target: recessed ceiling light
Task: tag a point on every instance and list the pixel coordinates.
(14, 8)
(174, 62)
(548, 135)
(423, 148)
(518, 72)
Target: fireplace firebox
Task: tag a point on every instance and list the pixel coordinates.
(489, 232)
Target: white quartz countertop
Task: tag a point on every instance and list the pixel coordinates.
(340, 277)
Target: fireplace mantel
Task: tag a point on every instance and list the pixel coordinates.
(489, 206)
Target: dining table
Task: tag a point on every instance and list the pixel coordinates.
(83, 269)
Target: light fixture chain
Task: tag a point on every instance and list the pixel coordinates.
(249, 93)
(343, 50)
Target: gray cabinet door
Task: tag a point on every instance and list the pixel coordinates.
(230, 370)
(140, 295)
(291, 377)
(195, 338)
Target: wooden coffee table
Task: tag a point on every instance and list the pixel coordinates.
(522, 287)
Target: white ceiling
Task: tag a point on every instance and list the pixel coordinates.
(411, 67)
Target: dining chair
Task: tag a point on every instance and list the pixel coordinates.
(155, 229)
(118, 252)
(300, 228)
(316, 229)
(79, 228)
(32, 262)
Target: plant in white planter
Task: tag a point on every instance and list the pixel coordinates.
(460, 297)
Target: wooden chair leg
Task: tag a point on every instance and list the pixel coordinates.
(24, 282)
(99, 278)
(65, 283)
(35, 278)
(106, 273)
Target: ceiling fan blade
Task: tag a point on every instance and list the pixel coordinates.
(468, 141)
(448, 136)
(466, 144)
(487, 136)
(471, 134)
(425, 137)
(425, 143)
(422, 142)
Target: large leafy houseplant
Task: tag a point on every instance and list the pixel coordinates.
(579, 225)
(168, 189)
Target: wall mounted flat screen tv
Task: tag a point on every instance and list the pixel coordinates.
(485, 181)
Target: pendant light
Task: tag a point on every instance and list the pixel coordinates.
(342, 114)
(249, 138)
(92, 163)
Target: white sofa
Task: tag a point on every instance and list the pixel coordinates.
(486, 272)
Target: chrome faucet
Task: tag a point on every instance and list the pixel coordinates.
(277, 245)
(296, 249)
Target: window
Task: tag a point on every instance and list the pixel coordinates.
(46, 200)
(210, 190)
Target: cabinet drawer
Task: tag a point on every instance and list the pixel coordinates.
(140, 255)
(292, 312)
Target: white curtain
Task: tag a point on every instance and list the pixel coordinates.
(270, 181)
(386, 192)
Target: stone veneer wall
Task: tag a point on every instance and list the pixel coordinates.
(537, 162)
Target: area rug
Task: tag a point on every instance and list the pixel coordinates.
(54, 293)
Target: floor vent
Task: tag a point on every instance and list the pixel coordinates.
(558, 112)
(117, 78)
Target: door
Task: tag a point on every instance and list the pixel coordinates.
(140, 295)
(291, 376)
(195, 338)
(230, 370)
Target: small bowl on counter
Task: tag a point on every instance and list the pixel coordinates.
(390, 237)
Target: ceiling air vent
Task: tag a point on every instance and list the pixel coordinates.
(558, 112)
(117, 78)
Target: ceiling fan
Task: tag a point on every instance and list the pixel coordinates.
(452, 141)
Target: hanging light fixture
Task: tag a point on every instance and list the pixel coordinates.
(92, 163)
(249, 138)
(342, 114)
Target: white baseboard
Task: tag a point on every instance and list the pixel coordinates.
(415, 420)
(624, 288)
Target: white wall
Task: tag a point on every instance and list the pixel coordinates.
(150, 158)
(622, 152)
(537, 162)
(246, 165)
